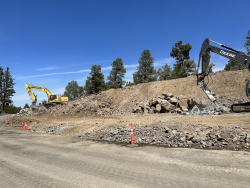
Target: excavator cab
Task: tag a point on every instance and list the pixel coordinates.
(52, 98)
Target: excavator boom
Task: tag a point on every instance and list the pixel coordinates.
(229, 53)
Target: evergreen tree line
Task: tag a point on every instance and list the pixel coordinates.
(95, 83)
(146, 72)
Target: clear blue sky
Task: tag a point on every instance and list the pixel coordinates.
(52, 42)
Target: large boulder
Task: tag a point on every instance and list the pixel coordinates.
(167, 106)
(195, 110)
(162, 97)
(153, 101)
(158, 108)
(163, 101)
(173, 100)
(137, 110)
(183, 103)
(143, 105)
(152, 110)
(159, 101)
(177, 110)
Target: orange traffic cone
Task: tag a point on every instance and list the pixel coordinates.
(132, 137)
(26, 127)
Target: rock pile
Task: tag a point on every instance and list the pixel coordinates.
(165, 103)
(57, 129)
(201, 136)
(168, 103)
(197, 110)
(31, 111)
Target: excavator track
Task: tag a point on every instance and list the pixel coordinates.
(242, 107)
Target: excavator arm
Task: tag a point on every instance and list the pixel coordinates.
(235, 55)
(38, 88)
(229, 53)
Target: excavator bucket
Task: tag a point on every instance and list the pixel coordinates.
(34, 107)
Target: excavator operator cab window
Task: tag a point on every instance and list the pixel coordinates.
(248, 89)
(52, 97)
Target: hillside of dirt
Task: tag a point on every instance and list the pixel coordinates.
(159, 111)
(227, 87)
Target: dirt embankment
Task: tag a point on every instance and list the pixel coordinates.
(227, 87)
(112, 109)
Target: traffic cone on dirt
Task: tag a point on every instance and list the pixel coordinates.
(22, 126)
(6, 122)
(132, 137)
(26, 127)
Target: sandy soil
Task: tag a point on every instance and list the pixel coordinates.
(81, 114)
(81, 124)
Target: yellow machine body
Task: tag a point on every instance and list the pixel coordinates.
(52, 98)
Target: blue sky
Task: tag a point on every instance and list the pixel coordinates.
(52, 42)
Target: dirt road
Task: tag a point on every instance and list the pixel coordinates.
(41, 160)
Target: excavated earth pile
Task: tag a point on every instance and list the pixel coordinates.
(160, 100)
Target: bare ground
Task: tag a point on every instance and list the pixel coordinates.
(112, 108)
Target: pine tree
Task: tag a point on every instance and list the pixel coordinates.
(189, 68)
(164, 73)
(95, 82)
(73, 90)
(247, 44)
(181, 52)
(26, 106)
(145, 70)
(184, 66)
(234, 65)
(183, 71)
(178, 71)
(117, 74)
(7, 88)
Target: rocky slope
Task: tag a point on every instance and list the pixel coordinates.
(227, 87)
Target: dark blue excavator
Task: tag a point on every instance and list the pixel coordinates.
(227, 52)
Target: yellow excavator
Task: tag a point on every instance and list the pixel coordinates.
(52, 99)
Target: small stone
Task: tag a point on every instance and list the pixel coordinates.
(174, 132)
(190, 136)
(224, 143)
(209, 144)
(234, 139)
(196, 138)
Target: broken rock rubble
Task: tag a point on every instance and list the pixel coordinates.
(168, 103)
(189, 135)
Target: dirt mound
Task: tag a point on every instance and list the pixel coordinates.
(227, 87)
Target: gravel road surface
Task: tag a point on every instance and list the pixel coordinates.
(41, 160)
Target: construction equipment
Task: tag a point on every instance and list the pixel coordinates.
(52, 99)
(238, 56)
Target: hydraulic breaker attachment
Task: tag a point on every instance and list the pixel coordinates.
(207, 92)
